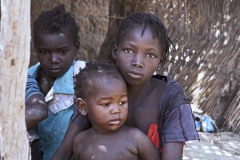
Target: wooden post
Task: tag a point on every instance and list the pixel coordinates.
(14, 59)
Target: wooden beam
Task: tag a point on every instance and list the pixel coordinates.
(14, 59)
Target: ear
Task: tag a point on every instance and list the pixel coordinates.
(82, 106)
(114, 51)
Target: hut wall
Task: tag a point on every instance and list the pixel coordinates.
(206, 60)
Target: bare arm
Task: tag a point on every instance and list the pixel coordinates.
(172, 151)
(64, 152)
(78, 124)
(36, 110)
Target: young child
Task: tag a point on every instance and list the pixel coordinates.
(157, 106)
(102, 95)
(55, 36)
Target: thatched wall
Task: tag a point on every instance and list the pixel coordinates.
(206, 34)
(206, 62)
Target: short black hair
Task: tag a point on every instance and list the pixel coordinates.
(146, 20)
(55, 21)
(93, 70)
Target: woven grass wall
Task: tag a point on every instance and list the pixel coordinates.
(207, 38)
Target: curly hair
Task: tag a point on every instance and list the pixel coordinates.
(55, 21)
(94, 70)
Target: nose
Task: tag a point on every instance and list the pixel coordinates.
(137, 61)
(53, 57)
(115, 109)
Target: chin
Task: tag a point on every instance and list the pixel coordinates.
(56, 75)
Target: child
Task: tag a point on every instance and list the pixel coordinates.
(102, 95)
(157, 106)
(55, 36)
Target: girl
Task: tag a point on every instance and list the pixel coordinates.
(56, 42)
(157, 106)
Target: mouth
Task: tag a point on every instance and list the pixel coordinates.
(115, 122)
(135, 75)
(55, 70)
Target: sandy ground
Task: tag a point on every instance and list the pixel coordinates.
(213, 146)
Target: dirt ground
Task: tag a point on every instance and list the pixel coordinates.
(213, 146)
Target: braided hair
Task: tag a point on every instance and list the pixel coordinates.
(147, 20)
(56, 20)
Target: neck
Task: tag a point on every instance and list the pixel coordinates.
(136, 93)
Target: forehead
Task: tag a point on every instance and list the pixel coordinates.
(141, 35)
(100, 86)
(104, 79)
(140, 29)
(49, 38)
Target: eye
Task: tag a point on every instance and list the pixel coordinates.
(106, 104)
(63, 52)
(43, 52)
(127, 50)
(151, 55)
(122, 103)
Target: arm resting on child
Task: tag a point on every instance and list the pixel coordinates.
(79, 123)
(172, 151)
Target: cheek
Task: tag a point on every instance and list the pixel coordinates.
(123, 61)
(151, 67)
(125, 113)
(43, 61)
(98, 114)
(41, 57)
(124, 110)
(67, 60)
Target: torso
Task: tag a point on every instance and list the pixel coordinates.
(141, 115)
(115, 146)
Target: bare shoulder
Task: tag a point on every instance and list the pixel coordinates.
(134, 133)
(82, 137)
(79, 142)
(145, 148)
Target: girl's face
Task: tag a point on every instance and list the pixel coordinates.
(107, 105)
(55, 53)
(137, 55)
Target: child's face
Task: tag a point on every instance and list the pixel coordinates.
(107, 106)
(55, 53)
(137, 55)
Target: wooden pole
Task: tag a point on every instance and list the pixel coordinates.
(14, 59)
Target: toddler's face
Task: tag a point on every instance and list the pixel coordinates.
(107, 105)
(55, 53)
